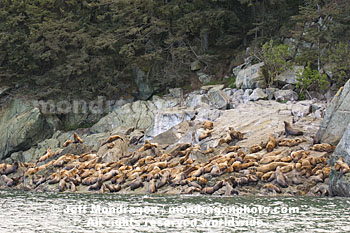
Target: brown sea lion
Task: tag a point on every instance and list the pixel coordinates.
(271, 166)
(272, 188)
(204, 135)
(290, 142)
(289, 130)
(67, 142)
(8, 181)
(164, 180)
(280, 178)
(255, 148)
(77, 139)
(7, 169)
(49, 153)
(111, 139)
(190, 190)
(324, 147)
(235, 134)
(113, 188)
(136, 184)
(271, 144)
(208, 125)
(97, 185)
(211, 190)
(152, 186)
(62, 184)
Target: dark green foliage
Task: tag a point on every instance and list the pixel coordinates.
(81, 49)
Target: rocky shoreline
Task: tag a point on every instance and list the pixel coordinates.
(196, 144)
(212, 141)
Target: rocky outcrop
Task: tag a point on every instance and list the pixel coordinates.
(339, 183)
(21, 126)
(336, 118)
(251, 77)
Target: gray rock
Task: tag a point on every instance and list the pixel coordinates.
(212, 87)
(166, 119)
(119, 149)
(196, 100)
(17, 156)
(137, 115)
(21, 126)
(218, 99)
(301, 110)
(258, 94)
(285, 95)
(246, 94)
(204, 78)
(289, 76)
(251, 77)
(339, 184)
(270, 92)
(336, 117)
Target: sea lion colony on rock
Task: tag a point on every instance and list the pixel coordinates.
(268, 168)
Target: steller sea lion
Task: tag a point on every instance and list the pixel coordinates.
(77, 139)
(7, 169)
(208, 125)
(49, 153)
(136, 184)
(113, 188)
(280, 179)
(67, 142)
(289, 130)
(324, 147)
(271, 144)
(152, 186)
(272, 188)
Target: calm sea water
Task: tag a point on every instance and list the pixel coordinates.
(63, 212)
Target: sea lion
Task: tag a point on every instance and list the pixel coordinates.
(255, 148)
(67, 142)
(235, 134)
(341, 166)
(267, 175)
(8, 181)
(271, 144)
(211, 190)
(77, 139)
(179, 177)
(190, 190)
(324, 147)
(204, 135)
(194, 184)
(270, 167)
(164, 180)
(289, 130)
(109, 175)
(269, 159)
(152, 186)
(272, 188)
(49, 153)
(62, 184)
(300, 154)
(113, 188)
(290, 142)
(111, 139)
(136, 184)
(208, 125)
(209, 150)
(230, 149)
(280, 179)
(7, 169)
(97, 185)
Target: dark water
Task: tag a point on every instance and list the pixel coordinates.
(49, 212)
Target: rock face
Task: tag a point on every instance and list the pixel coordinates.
(21, 126)
(251, 77)
(339, 184)
(337, 117)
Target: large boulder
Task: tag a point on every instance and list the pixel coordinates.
(251, 77)
(285, 95)
(22, 126)
(218, 99)
(138, 114)
(290, 76)
(166, 119)
(339, 184)
(336, 118)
